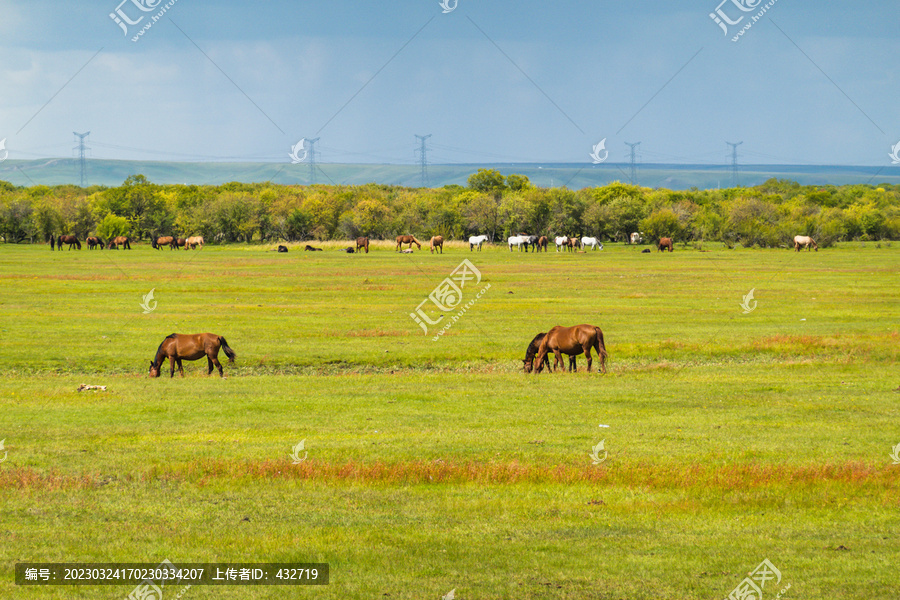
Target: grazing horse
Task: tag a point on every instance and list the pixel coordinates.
(806, 242)
(518, 241)
(573, 341)
(71, 240)
(52, 243)
(167, 240)
(362, 242)
(542, 243)
(311, 249)
(532, 350)
(636, 238)
(407, 239)
(561, 242)
(120, 241)
(282, 249)
(437, 242)
(93, 242)
(180, 346)
(574, 243)
(663, 244)
(193, 242)
(592, 242)
(477, 240)
(180, 243)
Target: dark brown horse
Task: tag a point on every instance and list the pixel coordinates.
(573, 341)
(574, 243)
(362, 242)
(663, 244)
(52, 243)
(180, 243)
(532, 351)
(166, 240)
(71, 240)
(437, 242)
(407, 239)
(311, 249)
(180, 346)
(542, 243)
(119, 241)
(93, 242)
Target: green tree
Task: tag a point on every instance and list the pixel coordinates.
(487, 180)
(113, 226)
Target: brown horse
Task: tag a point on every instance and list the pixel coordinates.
(179, 243)
(167, 240)
(437, 242)
(573, 341)
(532, 351)
(179, 346)
(71, 240)
(362, 242)
(52, 243)
(542, 243)
(119, 241)
(194, 241)
(663, 244)
(407, 239)
(93, 242)
(574, 243)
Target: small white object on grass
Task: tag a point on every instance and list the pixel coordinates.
(602, 425)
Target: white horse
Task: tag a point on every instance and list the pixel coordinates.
(519, 240)
(592, 242)
(477, 240)
(560, 242)
(636, 238)
(805, 241)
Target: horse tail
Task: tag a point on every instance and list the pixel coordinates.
(601, 348)
(228, 351)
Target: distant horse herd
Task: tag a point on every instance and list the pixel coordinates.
(94, 242)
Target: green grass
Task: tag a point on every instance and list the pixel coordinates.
(436, 465)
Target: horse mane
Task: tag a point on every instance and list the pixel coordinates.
(533, 347)
(158, 350)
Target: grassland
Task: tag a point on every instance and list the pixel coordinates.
(438, 465)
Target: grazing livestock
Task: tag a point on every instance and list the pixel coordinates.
(542, 243)
(407, 239)
(477, 240)
(167, 240)
(573, 341)
(561, 242)
(437, 241)
(574, 243)
(531, 352)
(362, 242)
(806, 242)
(518, 241)
(645, 251)
(311, 249)
(282, 248)
(52, 243)
(663, 244)
(120, 241)
(636, 238)
(180, 243)
(178, 347)
(348, 250)
(93, 242)
(592, 242)
(193, 242)
(71, 240)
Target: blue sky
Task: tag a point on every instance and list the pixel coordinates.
(501, 81)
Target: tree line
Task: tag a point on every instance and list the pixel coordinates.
(767, 215)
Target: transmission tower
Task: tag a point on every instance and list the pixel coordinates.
(422, 158)
(633, 165)
(312, 159)
(734, 166)
(80, 147)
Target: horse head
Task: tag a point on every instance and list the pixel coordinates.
(154, 369)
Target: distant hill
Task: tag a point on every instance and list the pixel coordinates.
(574, 176)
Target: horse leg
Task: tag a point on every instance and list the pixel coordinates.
(558, 355)
(209, 364)
(587, 352)
(180, 368)
(215, 360)
(171, 366)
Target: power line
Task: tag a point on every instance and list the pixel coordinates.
(81, 161)
(633, 166)
(734, 165)
(422, 158)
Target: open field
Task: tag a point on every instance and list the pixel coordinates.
(438, 465)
